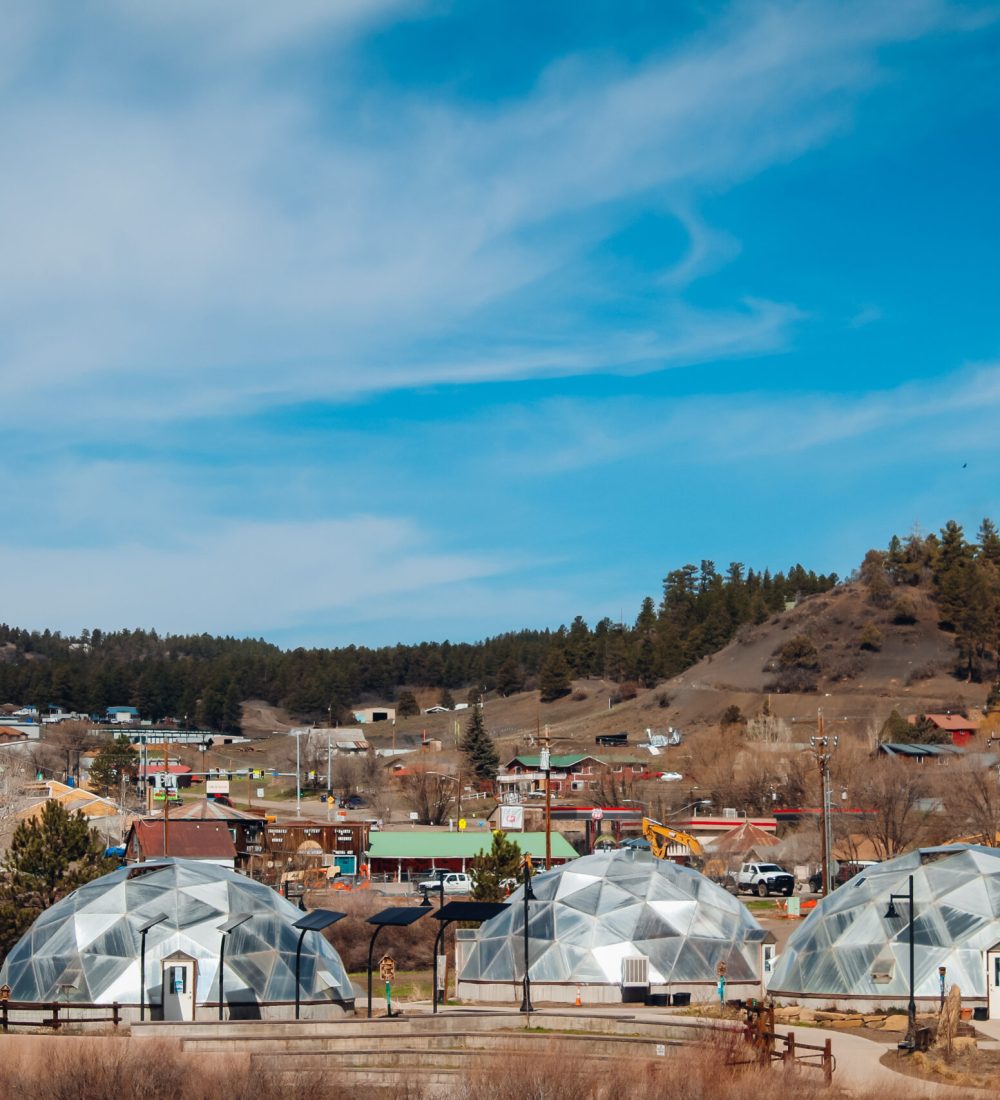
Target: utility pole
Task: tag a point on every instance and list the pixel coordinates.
(545, 761)
(824, 746)
(166, 795)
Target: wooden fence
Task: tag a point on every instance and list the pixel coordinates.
(55, 1014)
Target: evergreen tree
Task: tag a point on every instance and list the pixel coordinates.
(116, 760)
(446, 699)
(554, 680)
(49, 856)
(492, 871)
(510, 678)
(479, 748)
(407, 705)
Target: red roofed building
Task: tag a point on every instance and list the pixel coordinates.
(210, 841)
(960, 729)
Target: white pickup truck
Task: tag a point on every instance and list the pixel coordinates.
(455, 882)
(763, 879)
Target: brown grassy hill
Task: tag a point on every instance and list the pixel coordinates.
(855, 687)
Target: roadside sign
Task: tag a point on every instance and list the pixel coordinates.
(216, 786)
(260, 792)
(511, 817)
(461, 824)
(596, 813)
(387, 968)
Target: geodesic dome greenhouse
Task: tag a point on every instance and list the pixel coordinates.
(592, 913)
(850, 952)
(86, 948)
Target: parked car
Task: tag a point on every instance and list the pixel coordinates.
(455, 882)
(355, 802)
(844, 873)
(669, 777)
(763, 879)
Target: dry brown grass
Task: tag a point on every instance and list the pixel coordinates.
(117, 1068)
(72, 1068)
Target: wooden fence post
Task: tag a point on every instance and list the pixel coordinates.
(828, 1061)
(789, 1055)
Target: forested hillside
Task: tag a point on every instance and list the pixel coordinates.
(204, 679)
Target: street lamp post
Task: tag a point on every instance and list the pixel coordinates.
(143, 929)
(426, 904)
(397, 916)
(528, 896)
(315, 921)
(231, 924)
(891, 914)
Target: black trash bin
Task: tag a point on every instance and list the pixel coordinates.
(980, 1012)
(681, 1000)
(658, 1000)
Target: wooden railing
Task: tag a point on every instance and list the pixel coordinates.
(55, 1014)
(770, 1046)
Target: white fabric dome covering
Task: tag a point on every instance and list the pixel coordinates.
(592, 913)
(848, 949)
(86, 947)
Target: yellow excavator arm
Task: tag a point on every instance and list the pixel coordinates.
(661, 836)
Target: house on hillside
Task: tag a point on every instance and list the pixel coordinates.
(960, 729)
(568, 772)
(375, 714)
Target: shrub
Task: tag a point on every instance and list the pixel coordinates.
(871, 638)
(799, 652)
(904, 611)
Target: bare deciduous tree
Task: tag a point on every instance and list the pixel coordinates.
(891, 791)
(429, 794)
(973, 802)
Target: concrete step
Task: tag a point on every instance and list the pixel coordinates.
(397, 1030)
(575, 1046)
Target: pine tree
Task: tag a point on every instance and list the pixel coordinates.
(116, 761)
(479, 748)
(510, 678)
(407, 705)
(554, 679)
(492, 871)
(49, 856)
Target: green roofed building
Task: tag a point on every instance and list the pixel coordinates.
(407, 855)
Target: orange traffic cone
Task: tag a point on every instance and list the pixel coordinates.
(578, 1001)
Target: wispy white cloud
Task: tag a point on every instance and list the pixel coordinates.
(253, 577)
(248, 241)
(561, 436)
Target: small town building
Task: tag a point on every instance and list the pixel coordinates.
(375, 714)
(340, 844)
(919, 753)
(412, 855)
(204, 841)
(568, 772)
(960, 729)
(122, 715)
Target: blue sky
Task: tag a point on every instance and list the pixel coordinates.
(377, 320)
